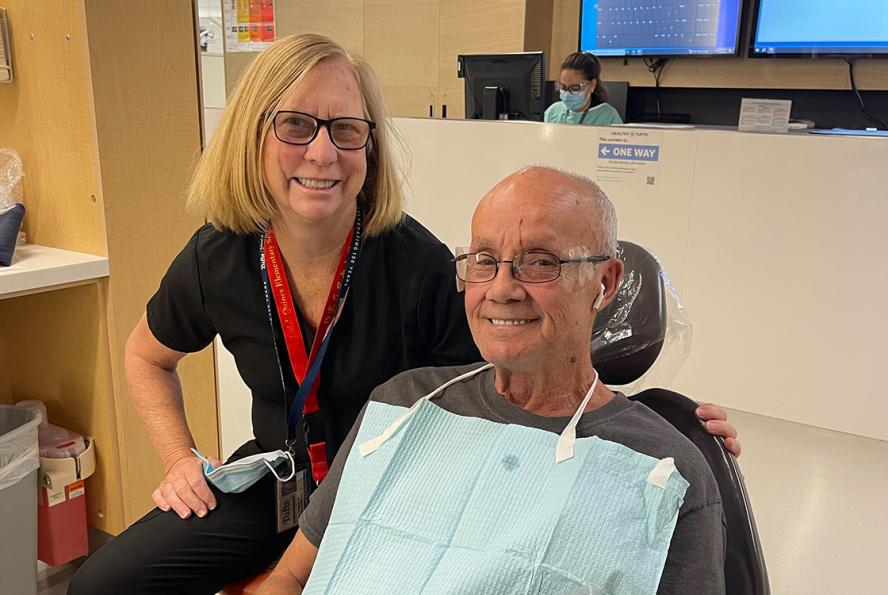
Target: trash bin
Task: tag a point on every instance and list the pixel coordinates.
(19, 460)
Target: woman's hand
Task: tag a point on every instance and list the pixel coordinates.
(715, 420)
(185, 489)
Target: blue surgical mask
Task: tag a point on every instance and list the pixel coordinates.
(573, 101)
(237, 476)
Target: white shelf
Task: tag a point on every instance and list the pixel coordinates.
(39, 268)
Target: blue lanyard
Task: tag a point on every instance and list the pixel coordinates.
(315, 366)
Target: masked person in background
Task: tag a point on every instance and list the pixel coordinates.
(525, 474)
(583, 98)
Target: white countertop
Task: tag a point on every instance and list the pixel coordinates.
(41, 268)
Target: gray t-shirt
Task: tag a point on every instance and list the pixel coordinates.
(695, 563)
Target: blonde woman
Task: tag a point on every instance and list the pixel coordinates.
(319, 286)
(299, 173)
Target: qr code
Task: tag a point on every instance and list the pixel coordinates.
(651, 180)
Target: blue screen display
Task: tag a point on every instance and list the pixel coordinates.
(660, 27)
(821, 26)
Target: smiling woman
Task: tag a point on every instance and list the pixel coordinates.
(319, 286)
(241, 197)
(312, 178)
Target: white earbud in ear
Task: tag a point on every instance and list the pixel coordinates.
(600, 298)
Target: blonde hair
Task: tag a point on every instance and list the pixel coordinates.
(228, 186)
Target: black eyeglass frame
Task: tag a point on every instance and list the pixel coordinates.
(322, 123)
(561, 262)
(570, 88)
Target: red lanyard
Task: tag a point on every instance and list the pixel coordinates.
(300, 361)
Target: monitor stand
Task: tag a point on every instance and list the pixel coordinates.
(492, 103)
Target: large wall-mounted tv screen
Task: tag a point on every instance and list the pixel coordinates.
(660, 28)
(810, 28)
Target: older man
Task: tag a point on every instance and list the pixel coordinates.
(525, 475)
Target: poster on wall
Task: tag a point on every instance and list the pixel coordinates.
(249, 25)
(629, 156)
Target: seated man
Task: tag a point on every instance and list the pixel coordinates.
(526, 475)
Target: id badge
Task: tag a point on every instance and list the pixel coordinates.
(292, 498)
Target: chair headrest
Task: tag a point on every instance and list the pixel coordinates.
(629, 332)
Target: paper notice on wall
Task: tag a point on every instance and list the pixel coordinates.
(629, 156)
(249, 25)
(5, 50)
(764, 115)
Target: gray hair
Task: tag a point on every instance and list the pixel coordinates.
(604, 235)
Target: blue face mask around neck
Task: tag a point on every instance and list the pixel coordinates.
(573, 101)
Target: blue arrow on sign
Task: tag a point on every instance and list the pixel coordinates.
(629, 152)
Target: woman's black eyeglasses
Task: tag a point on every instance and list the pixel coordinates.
(299, 128)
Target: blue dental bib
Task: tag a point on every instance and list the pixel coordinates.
(454, 504)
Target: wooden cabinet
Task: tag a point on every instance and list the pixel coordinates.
(104, 111)
(471, 27)
(413, 47)
(400, 42)
(412, 44)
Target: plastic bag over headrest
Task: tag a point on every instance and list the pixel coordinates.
(643, 336)
(11, 173)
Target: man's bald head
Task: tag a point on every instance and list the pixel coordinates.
(576, 200)
(538, 311)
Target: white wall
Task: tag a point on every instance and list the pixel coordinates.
(776, 244)
(235, 404)
(212, 73)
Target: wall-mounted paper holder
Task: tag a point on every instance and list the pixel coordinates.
(5, 50)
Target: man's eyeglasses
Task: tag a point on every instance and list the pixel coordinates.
(298, 128)
(527, 267)
(576, 88)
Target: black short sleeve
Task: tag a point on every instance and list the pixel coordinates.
(177, 316)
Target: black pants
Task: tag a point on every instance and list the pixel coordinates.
(162, 553)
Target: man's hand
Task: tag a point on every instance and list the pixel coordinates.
(277, 584)
(293, 569)
(715, 420)
(185, 489)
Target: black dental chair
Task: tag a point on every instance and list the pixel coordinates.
(628, 337)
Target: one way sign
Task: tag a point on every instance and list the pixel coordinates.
(629, 152)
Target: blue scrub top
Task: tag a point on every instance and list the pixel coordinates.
(602, 114)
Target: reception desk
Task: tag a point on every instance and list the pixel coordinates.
(776, 244)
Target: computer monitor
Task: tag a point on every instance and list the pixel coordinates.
(617, 96)
(660, 28)
(819, 28)
(504, 86)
